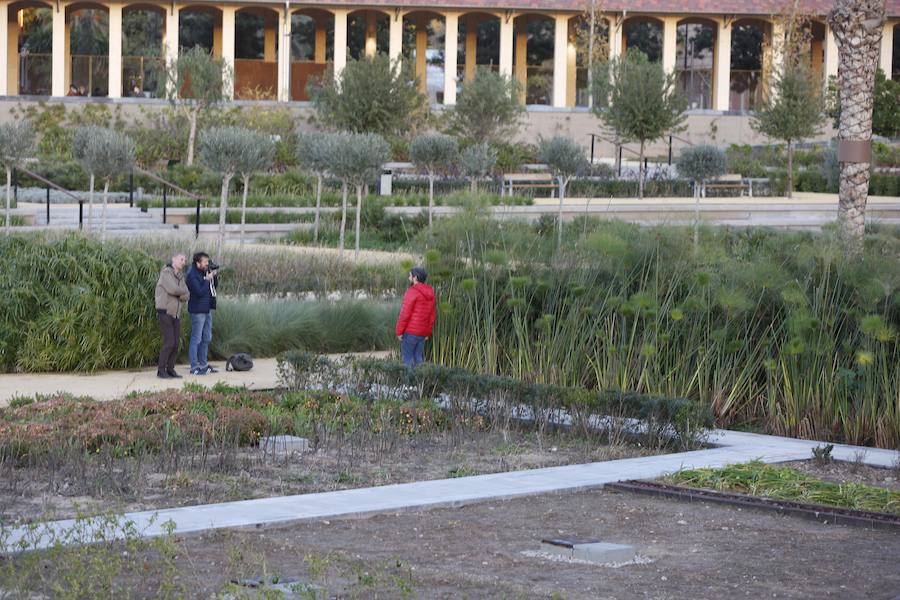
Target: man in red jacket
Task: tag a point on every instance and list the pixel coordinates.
(416, 319)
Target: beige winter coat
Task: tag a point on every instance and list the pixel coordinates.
(171, 292)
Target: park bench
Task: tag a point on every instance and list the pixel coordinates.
(731, 181)
(513, 181)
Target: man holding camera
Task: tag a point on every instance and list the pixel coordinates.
(201, 281)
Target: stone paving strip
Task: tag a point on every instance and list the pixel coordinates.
(731, 447)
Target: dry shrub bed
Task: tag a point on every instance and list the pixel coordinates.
(62, 455)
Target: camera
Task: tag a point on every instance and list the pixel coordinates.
(212, 266)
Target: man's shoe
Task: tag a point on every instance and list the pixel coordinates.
(173, 374)
(198, 371)
(163, 375)
(209, 369)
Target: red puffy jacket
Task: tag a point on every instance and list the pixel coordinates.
(418, 312)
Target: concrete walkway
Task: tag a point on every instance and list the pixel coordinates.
(732, 447)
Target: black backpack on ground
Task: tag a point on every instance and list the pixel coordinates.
(239, 362)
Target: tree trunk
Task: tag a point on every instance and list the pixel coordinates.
(318, 207)
(103, 211)
(223, 211)
(8, 199)
(244, 208)
(559, 224)
(91, 205)
(359, 201)
(641, 172)
(858, 26)
(473, 187)
(192, 135)
(344, 193)
(790, 173)
(696, 215)
(430, 203)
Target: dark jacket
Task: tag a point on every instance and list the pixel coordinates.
(418, 312)
(201, 300)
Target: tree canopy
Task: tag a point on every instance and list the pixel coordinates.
(487, 108)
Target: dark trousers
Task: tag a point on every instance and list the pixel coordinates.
(412, 349)
(170, 327)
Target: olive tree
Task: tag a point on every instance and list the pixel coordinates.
(222, 151)
(792, 109)
(638, 101)
(700, 164)
(488, 108)
(433, 153)
(476, 162)
(257, 154)
(360, 162)
(193, 83)
(81, 141)
(314, 156)
(565, 159)
(17, 141)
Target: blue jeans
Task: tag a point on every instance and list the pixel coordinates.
(412, 349)
(201, 335)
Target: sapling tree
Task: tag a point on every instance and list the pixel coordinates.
(476, 162)
(638, 101)
(566, 160)
(81, 141)
(488, 108)
(434, 153)
(194, 83)
(109, 155)
(313, 154)
(700, 164)
(17, 141)
(257, 154)
(361, 158)
(222, 151)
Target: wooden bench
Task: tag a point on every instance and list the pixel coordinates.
(511, 181)
(731, 181)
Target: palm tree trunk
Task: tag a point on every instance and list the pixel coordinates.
(858, 26)
(192, 136)
(359, 201)
(8, 199)
(223, 212)
(244, 208)
(318, 207)
(344, 193)
(91, 205)
(103, 211)
(641, 172)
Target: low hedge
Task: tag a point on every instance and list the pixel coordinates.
(496, 396)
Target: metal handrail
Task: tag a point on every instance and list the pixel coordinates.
(46, 181)
(166, 183)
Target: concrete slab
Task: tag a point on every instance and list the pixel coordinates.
(604, 552)
(283, 444)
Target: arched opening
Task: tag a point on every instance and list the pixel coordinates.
(87, 46)
(312, 48)
(255, 54)
(30, 49)
(749, 40)
(479, 44)
(694, 55)
(143, 30)
(368, 33)
(644, 34)
(533, 56)
(423, 44)
(200, 26)
(580, 40)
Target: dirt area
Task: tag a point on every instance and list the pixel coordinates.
(688, 550)
(101, 483)
(849, 472)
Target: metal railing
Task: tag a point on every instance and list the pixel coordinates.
(140, 75)
(90, 72)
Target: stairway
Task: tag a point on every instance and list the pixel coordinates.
(119, 219)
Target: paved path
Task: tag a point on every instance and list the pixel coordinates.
(732, 447)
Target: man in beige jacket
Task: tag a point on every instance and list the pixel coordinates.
(171, 296)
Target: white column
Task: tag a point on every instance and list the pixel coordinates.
(723, 66)
(831, 55)
(4, 47)
(560, 63)
(58, 87)
(451, 34)
(670, 43)
(228, 18)
(284, 56)
(615, 36)
(340, 41)
(506, 45)
(115, 51)
(777, 46)
(171, 40)
(395, 42)
(887, 49)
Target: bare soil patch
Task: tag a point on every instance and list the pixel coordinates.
(839, 471)
(106, 482)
